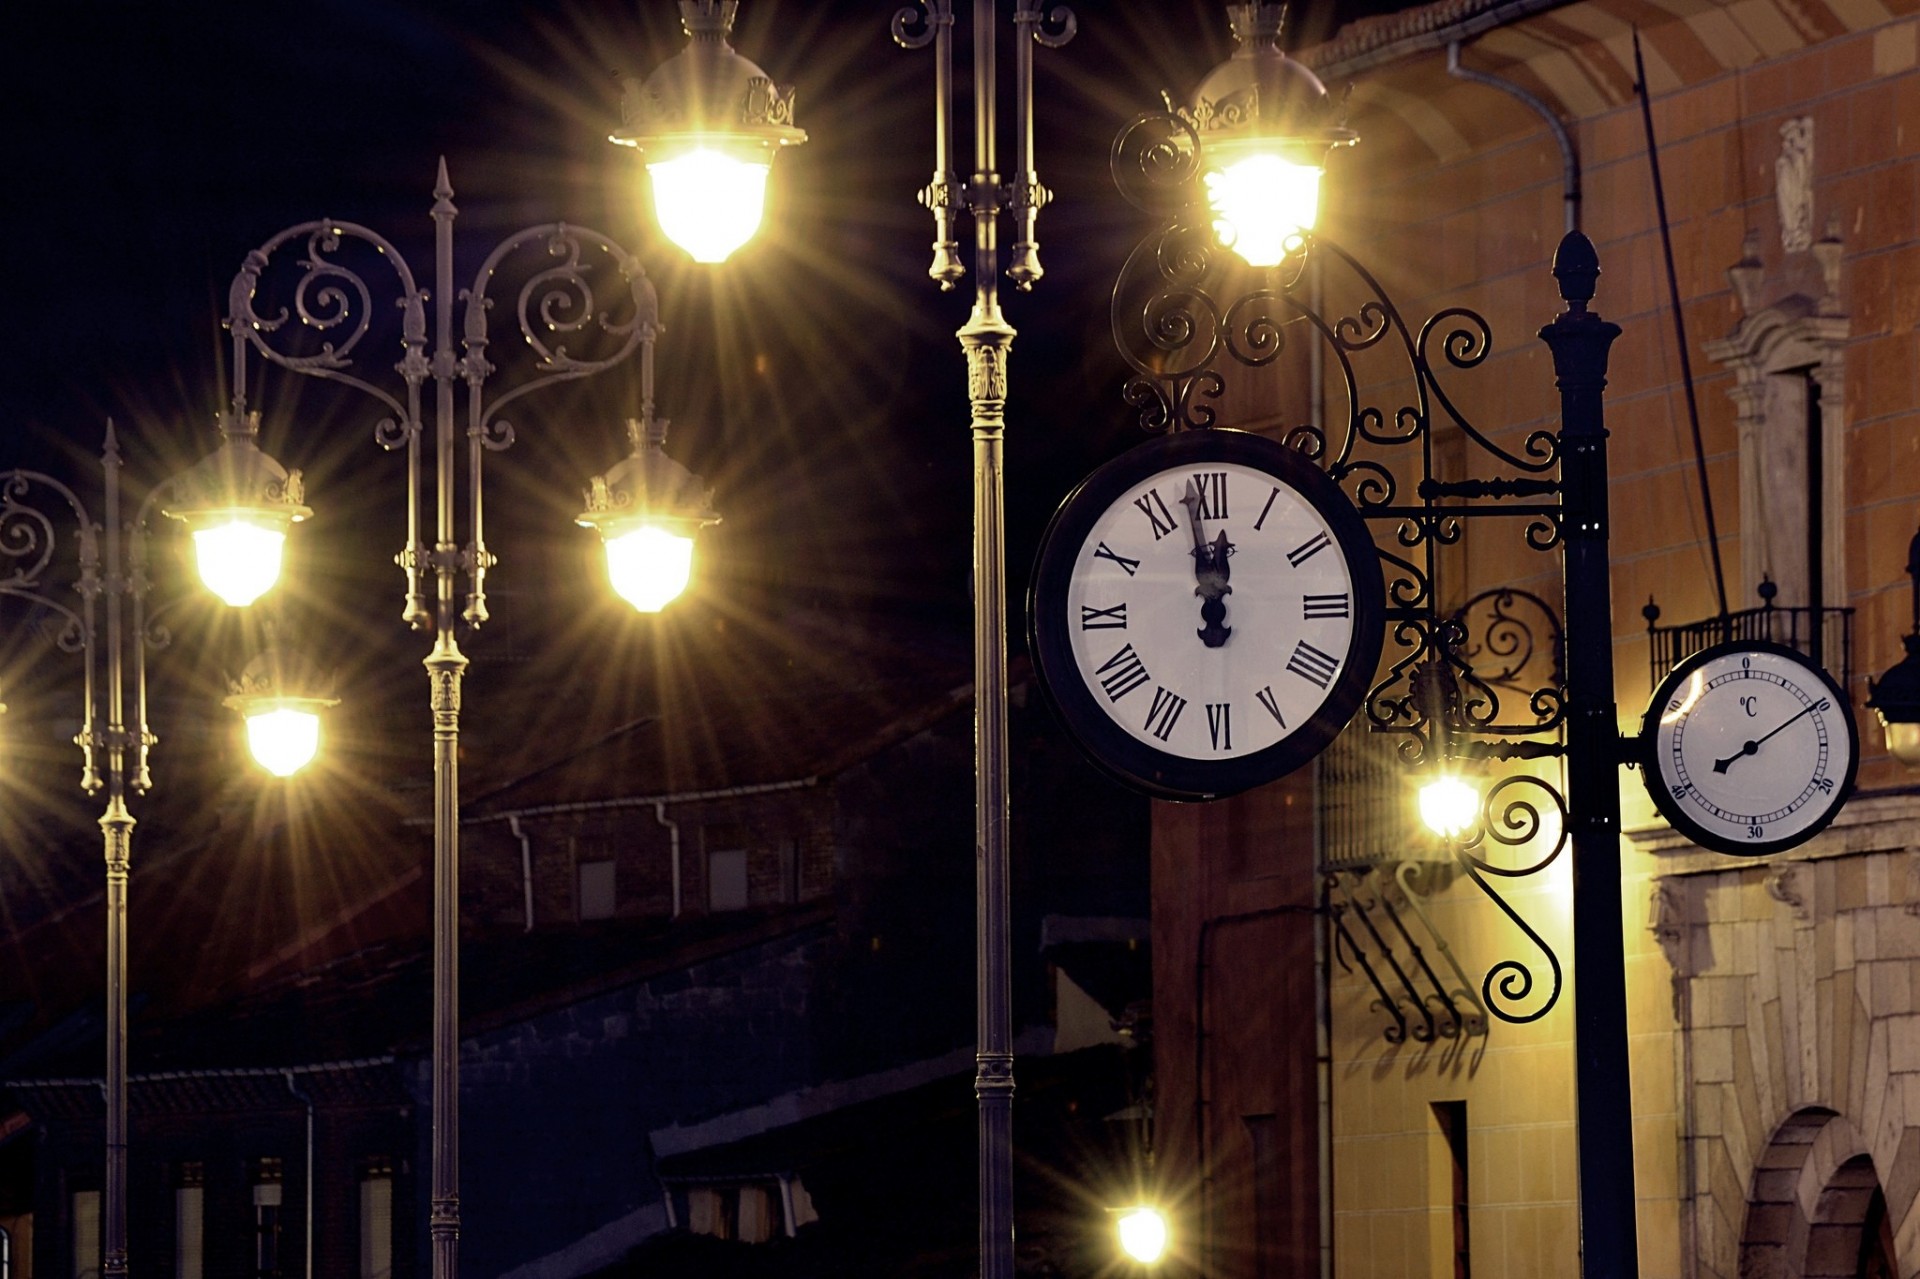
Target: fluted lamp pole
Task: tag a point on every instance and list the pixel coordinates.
(102, 615)
(986, 340)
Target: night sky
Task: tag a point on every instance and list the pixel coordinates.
(813, 379)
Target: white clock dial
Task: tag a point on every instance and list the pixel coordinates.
(1134, 610)
(1750, 748)
(1206, 613)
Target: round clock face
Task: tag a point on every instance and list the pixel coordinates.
(1749, 748)
(1206, 613)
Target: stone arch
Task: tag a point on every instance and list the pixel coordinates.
(1816, 1209)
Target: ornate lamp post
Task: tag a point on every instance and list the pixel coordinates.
(109, 628)
(648, 497)
(986, 339)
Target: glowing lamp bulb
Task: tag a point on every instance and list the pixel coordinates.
(1262, 204)
(1449, 806)
(1143, 1234)
(709, 203)
(283, 740)
(1903, 740)
(239, 561)
(649, 566)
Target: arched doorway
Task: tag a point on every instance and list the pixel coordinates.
(1816, 1209)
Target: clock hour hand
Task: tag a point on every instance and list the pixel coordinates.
(1210, 573)
(1753, 747)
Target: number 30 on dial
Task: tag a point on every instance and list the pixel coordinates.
(1206, 613)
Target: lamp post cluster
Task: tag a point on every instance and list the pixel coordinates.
(709, 121)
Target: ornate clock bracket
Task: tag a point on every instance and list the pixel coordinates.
(1469, 689)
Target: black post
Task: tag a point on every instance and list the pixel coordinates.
(1580, 341)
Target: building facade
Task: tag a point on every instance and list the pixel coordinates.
(1338, 1091)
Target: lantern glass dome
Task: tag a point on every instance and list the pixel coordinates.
(650, 565)
(283, 738)
(238, 556)
(1142, 1233)
(708, 200)
(1264, 201)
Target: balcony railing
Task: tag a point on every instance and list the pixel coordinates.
(1823, 634)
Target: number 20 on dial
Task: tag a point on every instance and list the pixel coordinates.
(1206, 613)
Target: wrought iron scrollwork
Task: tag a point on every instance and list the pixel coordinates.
(1484, 682)
(1513, 821)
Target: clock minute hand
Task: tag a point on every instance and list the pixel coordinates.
(1210, 573)
(1753, 747)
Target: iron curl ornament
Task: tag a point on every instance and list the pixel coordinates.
(306, 300)
(1484, 681)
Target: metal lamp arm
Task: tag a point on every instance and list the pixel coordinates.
(942, 196)
(550, 305)
(330, 295)
(1026, 197)
(27, 537)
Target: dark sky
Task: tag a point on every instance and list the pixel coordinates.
(813, 379)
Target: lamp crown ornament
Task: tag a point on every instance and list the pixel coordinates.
(647, 483)
(707, 88)
(238, 475)
(1260, 91)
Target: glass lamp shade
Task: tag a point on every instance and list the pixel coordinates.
(1903, 740)
(650, 565)
(709, 201)
(1142, 1232)
(283, 738)
(1263, 201)
(1449, 805)
(239, 556)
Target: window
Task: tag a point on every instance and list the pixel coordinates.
(1788, 359)
(710, 1212)
(376, 1221)
(189, 1223)
(727, 879)
(1447, 1168)
(267, 1190)
(596, 890)
(86, 1234)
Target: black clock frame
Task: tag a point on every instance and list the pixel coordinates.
(1656, 781)
(1119, 754)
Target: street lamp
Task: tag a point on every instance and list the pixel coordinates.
(1265, 125)
(986, 340)
(708, 122)
(648, 509)
(110, 555)
(1896, 694)
(281, 699)
(1141, 1231)
(238, 503)
(580, 286)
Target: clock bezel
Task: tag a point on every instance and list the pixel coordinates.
(1164, 774)
(1659, 786)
